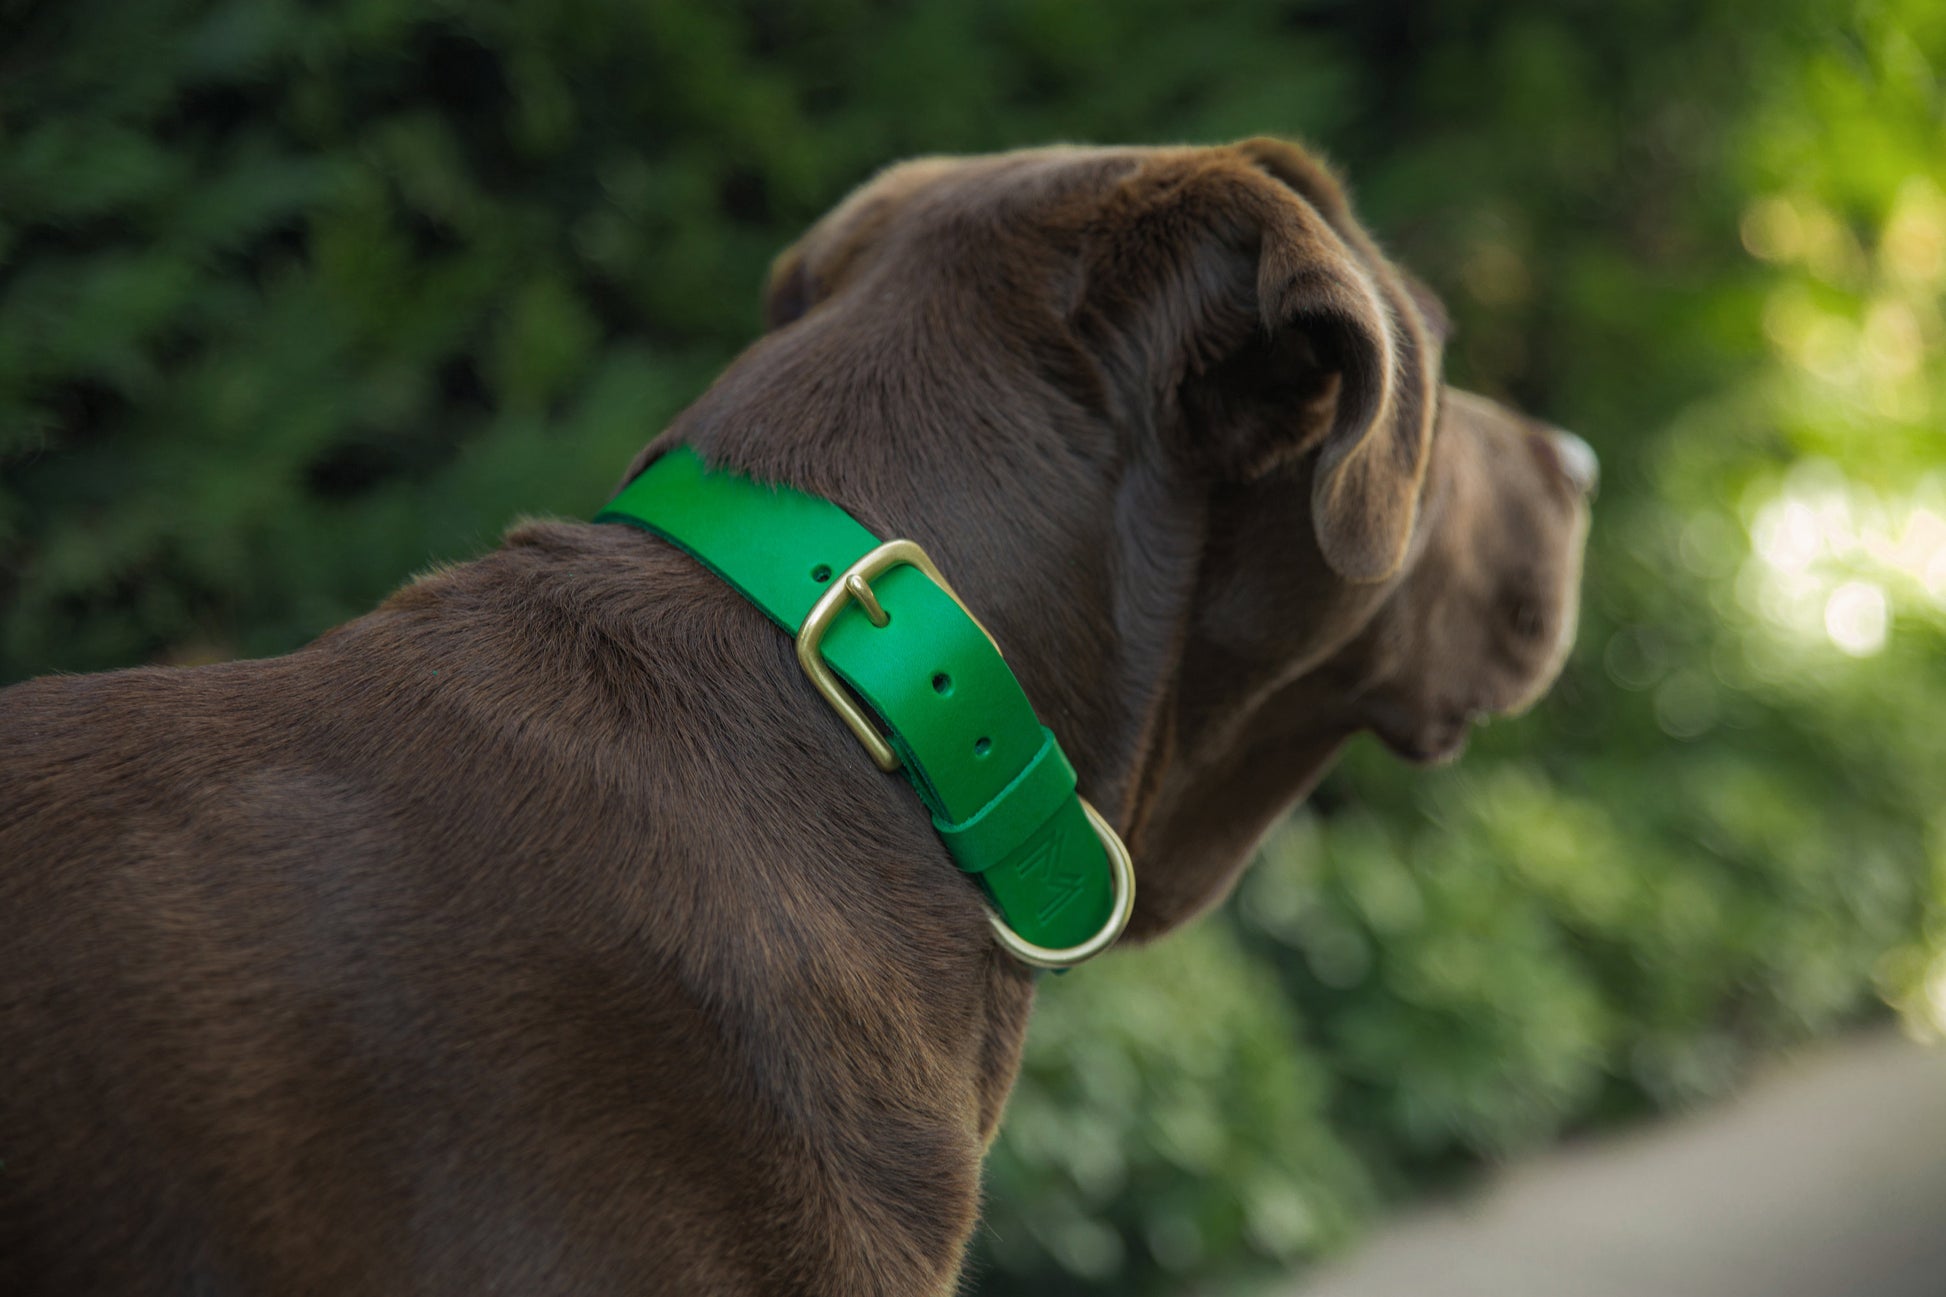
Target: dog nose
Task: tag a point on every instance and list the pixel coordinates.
(1579, 459)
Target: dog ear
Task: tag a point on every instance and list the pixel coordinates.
(1237, 282)
(789, 291)
(1432, 308)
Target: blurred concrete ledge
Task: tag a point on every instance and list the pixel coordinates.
(1827, 1178)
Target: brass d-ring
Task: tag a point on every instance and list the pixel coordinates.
(1123, 871)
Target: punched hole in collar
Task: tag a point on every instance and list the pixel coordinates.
(982, 746)
(821, 573)
(942, 684)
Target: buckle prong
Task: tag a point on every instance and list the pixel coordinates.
(866, 599)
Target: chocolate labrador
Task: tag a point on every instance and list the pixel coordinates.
(544, 931)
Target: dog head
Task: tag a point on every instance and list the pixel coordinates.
(1174, 426)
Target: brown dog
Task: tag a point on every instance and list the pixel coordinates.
(544, 932)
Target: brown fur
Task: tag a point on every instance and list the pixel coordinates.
(543, 932)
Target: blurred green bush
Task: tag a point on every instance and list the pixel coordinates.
(297, 299)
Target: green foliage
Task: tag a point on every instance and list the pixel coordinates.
(1164, 1111)
(296, 299)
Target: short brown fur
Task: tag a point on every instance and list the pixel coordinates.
(543, 932)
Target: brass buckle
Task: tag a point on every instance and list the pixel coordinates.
(854, 583)
(1123, 872)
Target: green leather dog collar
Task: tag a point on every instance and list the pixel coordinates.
(880, 618)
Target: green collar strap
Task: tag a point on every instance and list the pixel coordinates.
(880, 618)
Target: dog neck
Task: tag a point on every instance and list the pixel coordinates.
(1082, 569)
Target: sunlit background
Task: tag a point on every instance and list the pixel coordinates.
(298, 299)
